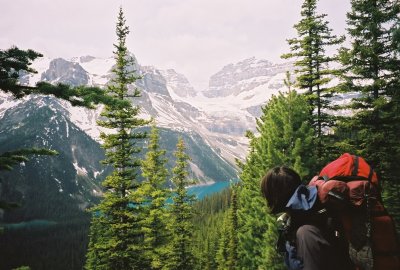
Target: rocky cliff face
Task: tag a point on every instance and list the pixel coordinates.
(62, 71)
(244, 76)
(178, 83)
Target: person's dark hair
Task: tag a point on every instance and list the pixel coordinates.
(277, 186)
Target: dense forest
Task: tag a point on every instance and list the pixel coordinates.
(139, 223)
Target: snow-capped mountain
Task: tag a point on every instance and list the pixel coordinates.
(244, 76)
(233, 100)
(220, 115)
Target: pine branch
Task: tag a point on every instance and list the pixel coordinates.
(12, 158)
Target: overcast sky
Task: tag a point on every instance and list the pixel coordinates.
(194, 37)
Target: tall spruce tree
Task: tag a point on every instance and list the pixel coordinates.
(221, 256)
(285, 138)
(232, 259)
(119, 246)
(227, 254)
(254, 251)
(155, 194)
(314, 71)
(372, 71)
(180, 248)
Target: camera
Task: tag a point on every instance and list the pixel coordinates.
(284, 222)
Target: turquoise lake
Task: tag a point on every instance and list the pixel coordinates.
(201, 191)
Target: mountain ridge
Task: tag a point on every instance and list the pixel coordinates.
(221, 114)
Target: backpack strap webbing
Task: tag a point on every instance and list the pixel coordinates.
(355, 168)
(371, 173)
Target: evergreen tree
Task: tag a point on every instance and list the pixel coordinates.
(372, 70)
(285, 138)
(227, 254)
(314, 73)
(180, 254)
(221, 256)
(13, 62)
(120, 244)
(95, 259)
(255, 224)
(154, 193)
(232, 258)
(12, 158)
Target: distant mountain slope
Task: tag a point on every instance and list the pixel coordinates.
(49, 187)
(72, 179)
(220, 115)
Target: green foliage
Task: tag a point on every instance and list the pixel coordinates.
(372, 70)
(210, 214)
(314, 73)
(14, 62)
(371, 63)
(257, 231)
(117, 236)
(180, 250)
(12, 158)
(232, 261)
(227, 254)
(154, 196)
(285, 139)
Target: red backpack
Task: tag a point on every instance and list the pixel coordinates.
(349, 188)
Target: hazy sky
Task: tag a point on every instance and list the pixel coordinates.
(194, 37)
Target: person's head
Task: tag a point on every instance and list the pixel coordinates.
(277, 186)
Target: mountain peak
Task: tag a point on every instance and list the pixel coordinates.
(63, 71)
(242, 76)
(83, 59)
(178, 83)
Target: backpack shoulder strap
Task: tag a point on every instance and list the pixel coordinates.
(355, 165)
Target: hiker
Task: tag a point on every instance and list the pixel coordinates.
(309, 239)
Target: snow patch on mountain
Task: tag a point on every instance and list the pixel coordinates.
(98, 68)
(40, 65)
(79, 170)
(7, 101)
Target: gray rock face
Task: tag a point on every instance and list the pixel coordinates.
(87, 58)
(178, 83)
(156, 81)
(63, 71)
(243, 76)
(153, 81)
